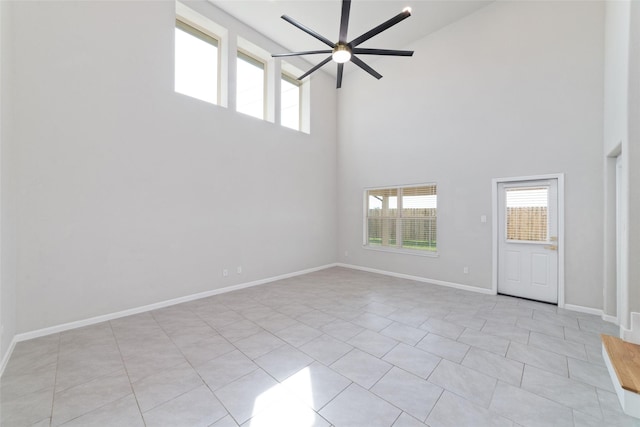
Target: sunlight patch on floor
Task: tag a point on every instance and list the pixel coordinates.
(287, 407)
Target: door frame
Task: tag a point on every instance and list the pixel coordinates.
(622, 249)
(494, 200)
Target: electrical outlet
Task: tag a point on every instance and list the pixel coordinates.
(465, 270)
(239, 269)
(225, 273)
(346, 253)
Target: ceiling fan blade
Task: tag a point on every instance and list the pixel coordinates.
(344, 20)
(380, 28)
(314, 68)
(340, 70)
(365, 67)
(307, 52)
(364, 51)
(308, 31)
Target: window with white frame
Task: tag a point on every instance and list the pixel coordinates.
(527, 214)
(250, 85)
(402, 218)
(290, 101)
(196, 62)
(204, 59)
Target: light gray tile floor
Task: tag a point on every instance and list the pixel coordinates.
(338, 347)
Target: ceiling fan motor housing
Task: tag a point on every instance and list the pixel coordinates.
(341, 53)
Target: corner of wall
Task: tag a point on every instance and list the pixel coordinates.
(632, 334)
(7, 229)
(4, 360)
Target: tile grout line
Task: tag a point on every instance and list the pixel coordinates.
(380, 293)
(124, 365)
(55, 381)
(194, 369)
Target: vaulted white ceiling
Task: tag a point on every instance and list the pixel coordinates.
(323, 16)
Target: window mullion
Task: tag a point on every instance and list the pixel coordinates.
(399, 220)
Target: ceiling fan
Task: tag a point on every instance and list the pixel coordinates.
(344, 51)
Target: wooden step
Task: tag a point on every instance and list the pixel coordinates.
(625, 358)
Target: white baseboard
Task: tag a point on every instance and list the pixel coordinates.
(633, 334)
(581, 309)
(111, 316)
(98, 319)
(572, 307)
(419, 279)
(594, 311)
(7, 355)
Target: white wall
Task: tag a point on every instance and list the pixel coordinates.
(622, 134)
(131, 194)
(615, 140)
(634, 158)
(514, 90)
(616, 74)
(7, 191)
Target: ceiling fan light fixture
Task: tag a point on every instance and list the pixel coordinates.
(341, 54)
(344, 50)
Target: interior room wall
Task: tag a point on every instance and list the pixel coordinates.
(7, 192)
(130, 194)
(616, 74)
(622, 134)
(634, 161)
(615, 140)
(515, 89)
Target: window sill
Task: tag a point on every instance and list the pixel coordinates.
(427, 254)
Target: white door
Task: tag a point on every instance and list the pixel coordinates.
(527, 239)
